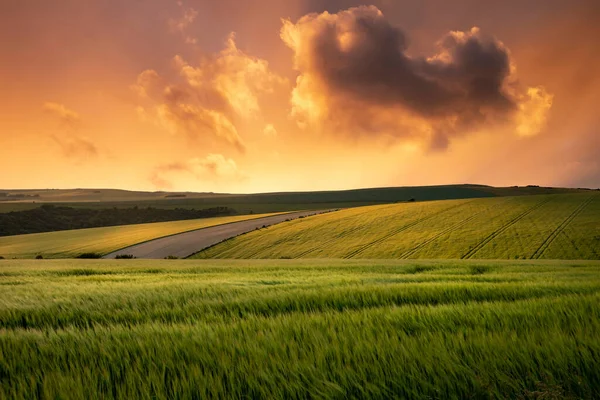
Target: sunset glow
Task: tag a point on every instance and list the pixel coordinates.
(267, 95)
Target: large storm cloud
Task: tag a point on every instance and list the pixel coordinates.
(356, 75)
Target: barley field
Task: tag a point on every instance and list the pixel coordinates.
(299, 329)
(558, 226)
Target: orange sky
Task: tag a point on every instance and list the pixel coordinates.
(268, 95)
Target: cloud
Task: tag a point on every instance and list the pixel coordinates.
(72, 145)
(76, 148)
(356, 75)
(210, 98)
(214, 168)
(270, 131)
(181, 24)
(67, 117)
(533, 112)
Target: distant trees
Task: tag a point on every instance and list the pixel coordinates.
(90, 255)
(49, 217)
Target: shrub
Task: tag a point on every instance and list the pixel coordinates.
(171, 258)
(125, 256)
(1, 258)
(39, 257)
(90, 255)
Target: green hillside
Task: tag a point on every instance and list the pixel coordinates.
(558, 226)
(297, 329)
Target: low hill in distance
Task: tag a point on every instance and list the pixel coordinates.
(18, 200)
(556, 226)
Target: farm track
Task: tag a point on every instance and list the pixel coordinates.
(401, 229)
(183, 245)
(409, 253)
(548, 241)
(503, 228)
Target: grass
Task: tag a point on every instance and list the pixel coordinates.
(299, 329)
(557, 226)
(73, 243)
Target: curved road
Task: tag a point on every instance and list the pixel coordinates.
(185, 244)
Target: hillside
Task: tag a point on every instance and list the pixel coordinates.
(558, 226)
(17, 200)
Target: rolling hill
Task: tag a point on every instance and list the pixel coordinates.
(18, 200)
(557, 226)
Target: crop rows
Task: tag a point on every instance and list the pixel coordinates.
(549, 226)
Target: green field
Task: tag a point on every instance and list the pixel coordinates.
(299, 329)
(557, 226)
(72, 243)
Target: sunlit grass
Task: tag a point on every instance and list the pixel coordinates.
(299, 329)
(565, 226)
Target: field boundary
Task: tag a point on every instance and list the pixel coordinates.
(198, 229)
(401, 229)
(503, 228)
(245, 233)
(548, 241)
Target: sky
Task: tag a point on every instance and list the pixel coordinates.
(270, 95)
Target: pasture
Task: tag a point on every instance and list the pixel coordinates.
(556, 226)
(72, 243)
(299, 329)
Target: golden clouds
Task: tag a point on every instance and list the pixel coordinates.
(270, 131)
(533, 111)
(211, 98)
(66, 116)
(73, 146)
(181, 25)
(356, 77)
(214, 168)
(236, 76)
(78, 149)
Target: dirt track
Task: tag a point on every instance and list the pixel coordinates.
(185, 244)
